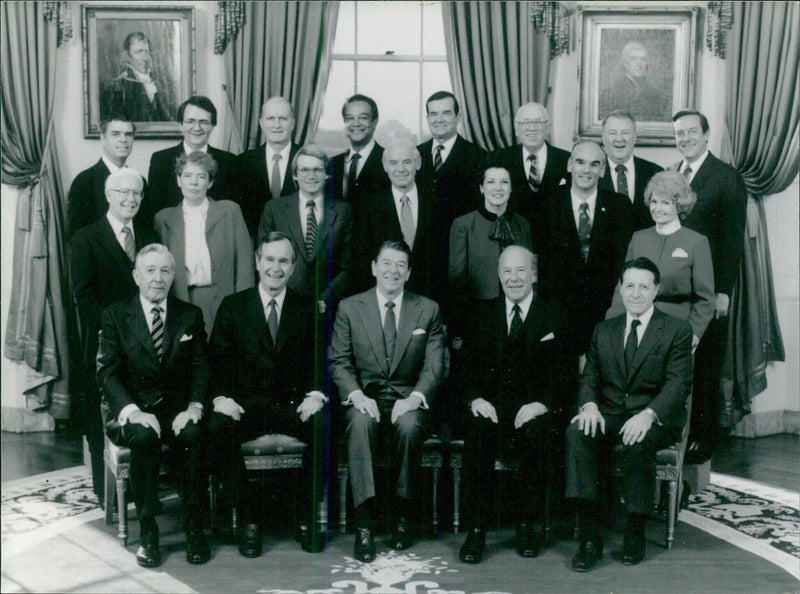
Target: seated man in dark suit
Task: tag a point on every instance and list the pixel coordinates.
(87, 195)
(637, 378)
(197, 117)
(264, 173)
(625, 174)
(512, 367)
(152, 367)
(386, 361)
(358, 171)
(450, 163)
(101, 262)
(266, 377)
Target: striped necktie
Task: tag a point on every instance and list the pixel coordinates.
(157, 332)
(311, 230)
(437, 157)
(130, 246)
(533, 179)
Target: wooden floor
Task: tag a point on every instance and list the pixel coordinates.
(772, 460)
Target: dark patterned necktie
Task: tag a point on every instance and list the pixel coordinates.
(516, 322)
(272, 320)
(632, 343)
(389, 331)
(622, 180)
(533, 178)
(584, 230)
(437, 157)
(687, 172)
(157, 332)
(352, 175)
(130, 246)
(275, 178)
(311, 230)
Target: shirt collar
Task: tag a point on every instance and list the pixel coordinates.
(669, 228)
(629, 166)
(266, 297)
(112, 167)
(284, 153)
(524, 306)
(447, 144)
(644, 319)
(697, 164)
(398, 301)
(363, 153)
(412, 194)
(190, 208)
(318, 200)
(147, 306)
(541, 155)
(591, 201)
(116, 224)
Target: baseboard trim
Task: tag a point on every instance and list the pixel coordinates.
(768, 423)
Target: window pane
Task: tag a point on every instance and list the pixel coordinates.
(388, 27)
(435, 77)
(345, 42)
(432, 29)
(395, 88)
(341, 83)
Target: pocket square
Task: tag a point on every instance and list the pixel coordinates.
(679, 253)
(562, 182)
(418, 332)
(549, 336)
(186, 337)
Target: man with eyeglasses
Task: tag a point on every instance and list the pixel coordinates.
(101, 261)
(87, 194)
(264, 173)
(197, 117)
(358, 171)
(320, 230)
(537, 168)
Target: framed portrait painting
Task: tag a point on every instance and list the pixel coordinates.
(139, 62)
(641, 60)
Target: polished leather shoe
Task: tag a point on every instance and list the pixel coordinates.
(148, 554)
(529, 540)
(633, 548)
(589, 555)
(364, 549)
(197, 549)
(311, 541)
(401, 537)
(472, 549)
(250, 541)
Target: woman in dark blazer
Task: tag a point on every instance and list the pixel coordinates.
(208, 238)
(476, 240)
(683, 256)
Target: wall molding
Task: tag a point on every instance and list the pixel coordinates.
(768, 423)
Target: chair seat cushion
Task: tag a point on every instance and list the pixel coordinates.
(668, 456)
(119, 454)
(273, 443)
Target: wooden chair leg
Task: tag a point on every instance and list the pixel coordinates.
(436, 471)
(456, 499)
(108, 489)
(343, 473)
(212, 502)
(122, 508)
(672, 512)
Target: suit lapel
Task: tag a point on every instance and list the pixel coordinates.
(371, 318)
(703, 173)
(599, 223)
(652, 336)
(288, 183)
(617, 346)
(139, 327)
(115, 251)
(258, 318)
(408, 319)
(290, 212)
(286, 327)
(533, 322)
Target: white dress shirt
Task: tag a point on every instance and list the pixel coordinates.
(189, 150)
(116, 226)
(644, 320)
(112, 167)
(283, 164)
(197, 258)
(413, 201)
(576, 207)
(363, 155)
(695, 166)
(524, 306)
(398, 305)
(319, 205)
(447, 147)
(630, 175)
(266, 298)
(541, 160)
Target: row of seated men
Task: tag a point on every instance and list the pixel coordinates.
(580, 253)
(263, 370)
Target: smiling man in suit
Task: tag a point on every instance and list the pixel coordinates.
(450, 163)
(320, 230)
(510, 375)
(386, 361)
(152, 367)
(637, 379)
(626, 175)
(719, 214)
(101, 262)
(264, 173)
(267, 376)
(358, 171)
(197, 117)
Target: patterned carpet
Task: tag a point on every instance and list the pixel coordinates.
(54, 539)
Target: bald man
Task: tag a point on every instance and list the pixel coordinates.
(265, 173)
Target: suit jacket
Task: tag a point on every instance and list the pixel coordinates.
(128, 370)
(523, 200)
(253, 183)
(228, 243)
(164, 191)
(380, 222)
(456, 184)
(644, 170)
(584, 289)
(101, 274)
(660, 376)
(542, 379)
(720, 214)
(370, 181)
(87, 197)
(245, 363)
(358, 354)
(323, 275)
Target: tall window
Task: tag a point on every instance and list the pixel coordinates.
(393, 52)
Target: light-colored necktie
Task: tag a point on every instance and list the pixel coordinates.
(272, 320)
(275, 177)
(407, 221)
(687, 172)
(130, 246)
(311, 230)
(157, 332)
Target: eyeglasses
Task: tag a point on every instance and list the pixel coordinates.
(536, 124)
(306, 171)
(127, 193)
(202, 123)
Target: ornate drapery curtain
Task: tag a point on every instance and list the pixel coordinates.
(497, 62)
(283, 48)
(36, 333)
(762, 127)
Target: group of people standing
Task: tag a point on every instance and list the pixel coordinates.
(402, 288)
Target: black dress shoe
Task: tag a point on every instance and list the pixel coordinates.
(529, 540)
(472, 549)
(250, 541)
(197, 549)
(364, 549)
(401, 537)
(148, 554)
(589, 555)
(311, 541)
(633, 547)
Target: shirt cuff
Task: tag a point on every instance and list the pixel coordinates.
(318, 395)
(349, 400)
(126, 411)
(653, 414)
(421, 396)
